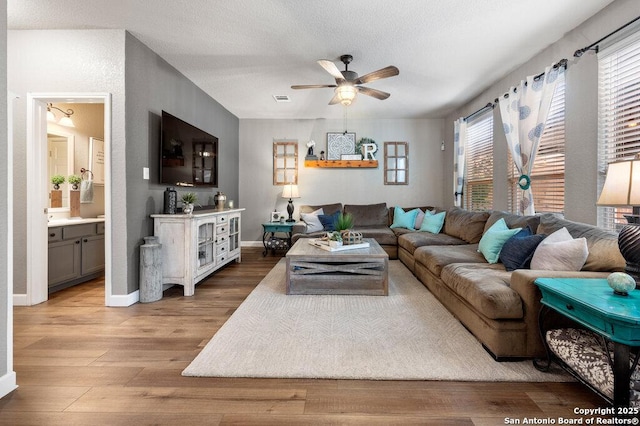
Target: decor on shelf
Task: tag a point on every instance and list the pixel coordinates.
(219, 199)
(310, 156)
(57, 180)
(622, 189)
(170, 201)
(290, 191)
(188, 200)
(367, 147)
(65, 120)
(340, 143)
(74, 180)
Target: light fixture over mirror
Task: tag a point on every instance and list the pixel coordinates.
(65, 120)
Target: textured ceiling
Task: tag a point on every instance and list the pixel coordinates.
(242, 52)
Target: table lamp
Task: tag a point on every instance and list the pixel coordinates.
(290, 191)
(622, 189)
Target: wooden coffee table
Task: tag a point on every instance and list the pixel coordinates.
(362, 271)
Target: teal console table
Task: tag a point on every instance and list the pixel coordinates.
(273, 242)
(591, 303)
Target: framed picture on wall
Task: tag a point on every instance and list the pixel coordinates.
(96, 160)
(339, 144)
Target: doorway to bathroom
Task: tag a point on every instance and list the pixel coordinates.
(90, 150)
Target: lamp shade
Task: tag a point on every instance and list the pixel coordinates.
(346, 93)
(622, 184)
(290, 191)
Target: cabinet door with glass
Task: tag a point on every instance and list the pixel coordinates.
(396, 163)
(234, 235)
(206, 244)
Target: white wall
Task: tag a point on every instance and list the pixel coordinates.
(324, 185)
(581, 113)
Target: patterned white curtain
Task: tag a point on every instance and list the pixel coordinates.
(524, 112)
(459, 144)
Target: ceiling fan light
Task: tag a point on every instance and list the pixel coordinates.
(346, 93)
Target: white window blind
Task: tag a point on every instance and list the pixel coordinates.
(618, 115)
(547, 176)
(478, 188)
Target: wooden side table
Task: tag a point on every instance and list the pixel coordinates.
(591, 303)
(273, 242)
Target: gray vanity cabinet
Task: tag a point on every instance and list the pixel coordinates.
(76, 254)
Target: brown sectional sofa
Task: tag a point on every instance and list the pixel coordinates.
(499, 307)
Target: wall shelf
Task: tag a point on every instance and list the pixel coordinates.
(344, 164)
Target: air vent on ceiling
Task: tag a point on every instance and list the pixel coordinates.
(281, 98)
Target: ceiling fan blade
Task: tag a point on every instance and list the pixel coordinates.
(332, 69)
(379, 94)
(312, 86)
(386, 72)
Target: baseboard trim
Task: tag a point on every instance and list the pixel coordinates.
(8, 383)
(251, 244)
(125, 300)
(20, 300)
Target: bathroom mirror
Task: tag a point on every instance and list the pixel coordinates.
(60, 161)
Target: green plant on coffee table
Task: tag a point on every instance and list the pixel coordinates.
(343, 222)
(334, 236)
(189, 198)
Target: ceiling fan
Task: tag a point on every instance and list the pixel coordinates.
(348, 83)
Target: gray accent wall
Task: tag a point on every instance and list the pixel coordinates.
(141, 85)
(581, 114)
(327, 185)
(153, 85)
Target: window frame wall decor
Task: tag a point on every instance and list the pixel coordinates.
(339, 143)
(396, 165)
(618, 116)
(285, 162)
(478, 182)
(548, 173)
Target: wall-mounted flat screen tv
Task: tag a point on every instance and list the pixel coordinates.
(189, 155)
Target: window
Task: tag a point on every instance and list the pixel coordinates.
(285, 163)
(618, 115)
(396, 163)
(478, 190)
(547, 176)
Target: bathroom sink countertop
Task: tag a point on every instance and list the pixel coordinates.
(75, 221)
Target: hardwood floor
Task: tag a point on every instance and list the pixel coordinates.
(79, 362)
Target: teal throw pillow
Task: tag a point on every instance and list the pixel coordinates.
(402, 219)
(432, 222)
(494, 238)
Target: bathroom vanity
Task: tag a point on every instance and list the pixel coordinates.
(76, 251)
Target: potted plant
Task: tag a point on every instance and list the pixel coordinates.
(74, 180)
(57, 180)
(188, 200)
(343, 222)
(335, 239)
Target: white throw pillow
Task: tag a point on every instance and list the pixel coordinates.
(560, 252)
(312, 221)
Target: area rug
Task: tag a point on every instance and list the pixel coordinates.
(407, 335)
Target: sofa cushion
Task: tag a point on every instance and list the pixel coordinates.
(327, 208)
(464, 224)
(432, 222)
(406, 209)
(485, 287)
(517, 252)
(434, 258)
(382, 234)
(513, 220)
(494, 238)
(312, 221)
(369, 214)
(411, 240)
(604, 254)
(560, 252)
(403, 219)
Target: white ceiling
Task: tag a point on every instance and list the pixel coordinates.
(242, 52)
